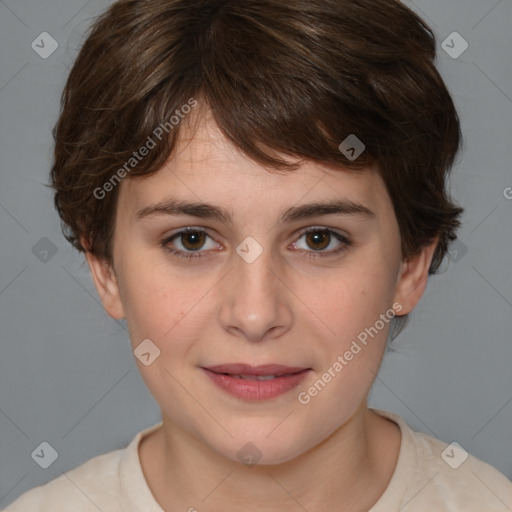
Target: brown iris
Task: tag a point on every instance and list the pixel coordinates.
(193, 240)
(313, 238)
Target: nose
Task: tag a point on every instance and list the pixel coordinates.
(255, 299)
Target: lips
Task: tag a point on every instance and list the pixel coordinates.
(256, 382)
(262, 372)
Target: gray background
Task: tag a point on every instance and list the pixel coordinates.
(68, 376)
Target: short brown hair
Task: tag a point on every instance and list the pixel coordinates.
(290, 77)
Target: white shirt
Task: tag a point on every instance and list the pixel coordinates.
(424, 480)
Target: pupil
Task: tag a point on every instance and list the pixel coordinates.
(318, 237)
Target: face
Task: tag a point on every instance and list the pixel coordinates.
(263, 276)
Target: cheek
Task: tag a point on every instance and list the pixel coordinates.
(351, 307)
(152, 303)
(156, 316)
(351, 301)
(170, 310)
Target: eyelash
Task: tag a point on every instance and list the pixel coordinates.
(310, 254)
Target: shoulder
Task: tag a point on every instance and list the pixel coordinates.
(112, 482)
(436, 475)
(461, 479)
(91, 486)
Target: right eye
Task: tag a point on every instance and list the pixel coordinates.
(189, 243)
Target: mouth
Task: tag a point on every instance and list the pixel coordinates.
(256, 382)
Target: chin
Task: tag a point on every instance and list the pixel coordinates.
(261, 449)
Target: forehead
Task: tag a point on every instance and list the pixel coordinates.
(206, 167)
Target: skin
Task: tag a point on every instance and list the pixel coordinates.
(284, 308)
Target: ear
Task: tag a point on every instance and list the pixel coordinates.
(105, 281)
(413, 277)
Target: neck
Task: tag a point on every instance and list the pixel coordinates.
(351, 468)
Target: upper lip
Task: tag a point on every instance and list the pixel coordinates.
(262, 370)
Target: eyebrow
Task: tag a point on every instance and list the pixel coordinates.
(208, 211)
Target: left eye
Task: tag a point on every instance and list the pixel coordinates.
(320, 239)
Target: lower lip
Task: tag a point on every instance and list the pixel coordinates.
(256, 389)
